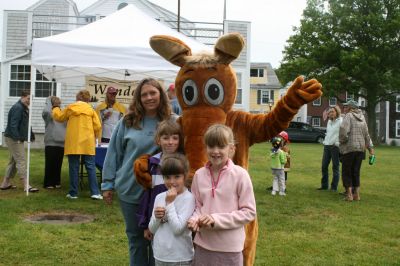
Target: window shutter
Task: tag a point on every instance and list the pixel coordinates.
(271, 95)
(258, 96)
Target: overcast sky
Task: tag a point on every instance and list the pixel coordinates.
(271, 20)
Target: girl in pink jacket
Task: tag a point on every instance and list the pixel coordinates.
(224, 202)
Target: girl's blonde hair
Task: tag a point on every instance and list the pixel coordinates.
(83, 95)
(219, 135)
(174, 164)
(170, 127)
(337, 110)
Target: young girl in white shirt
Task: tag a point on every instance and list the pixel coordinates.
(172, 242)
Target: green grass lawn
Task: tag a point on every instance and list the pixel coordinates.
(307, 227)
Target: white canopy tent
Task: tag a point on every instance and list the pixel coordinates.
(109, 48)
(116, 47)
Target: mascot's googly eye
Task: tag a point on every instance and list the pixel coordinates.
(214, 92)
(189, 92)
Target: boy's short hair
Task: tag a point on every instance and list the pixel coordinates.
(219, 135)
(25, 93)
(174, 164)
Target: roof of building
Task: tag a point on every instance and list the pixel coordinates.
(150, 8)
(38, 3)
(272, 78)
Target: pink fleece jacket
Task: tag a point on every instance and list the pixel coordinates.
(232, 206)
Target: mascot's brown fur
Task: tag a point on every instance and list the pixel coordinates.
(206, 90)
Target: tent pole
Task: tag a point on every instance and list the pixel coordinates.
(32, 94)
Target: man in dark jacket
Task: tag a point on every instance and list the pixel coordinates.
(15, 135)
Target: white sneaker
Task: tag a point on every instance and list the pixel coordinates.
(71, 197)
(273, 192)
(282, 193)
(97, 197)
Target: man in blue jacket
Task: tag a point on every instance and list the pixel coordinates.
(15, 135)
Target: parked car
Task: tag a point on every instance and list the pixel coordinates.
(302, 132)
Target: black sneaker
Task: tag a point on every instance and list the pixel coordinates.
(269, 188)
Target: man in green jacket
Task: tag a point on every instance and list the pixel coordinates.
(15, 135)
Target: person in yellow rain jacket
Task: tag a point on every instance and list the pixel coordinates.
(83, 127)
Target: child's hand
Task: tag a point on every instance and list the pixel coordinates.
(171, 195)
(159, 212)
(193, 225)
(147, 234)
(206, 220)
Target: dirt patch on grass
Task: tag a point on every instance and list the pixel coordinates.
(59, 218)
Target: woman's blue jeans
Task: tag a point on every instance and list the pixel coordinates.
(74, 163)
(139, 252)
(331, 152)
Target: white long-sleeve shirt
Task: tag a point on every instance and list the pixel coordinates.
(173, 240)
(332, 132)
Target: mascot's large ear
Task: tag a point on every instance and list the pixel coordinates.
(228, 47)
(171, 48)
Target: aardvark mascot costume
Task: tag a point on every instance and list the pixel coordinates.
(206, 90)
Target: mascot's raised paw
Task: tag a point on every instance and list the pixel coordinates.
(302, 92)
(141, 170)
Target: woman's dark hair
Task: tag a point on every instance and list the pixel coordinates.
(136, 112)
(174, 164)
(170, 127)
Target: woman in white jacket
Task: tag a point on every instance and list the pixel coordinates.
(331, 150)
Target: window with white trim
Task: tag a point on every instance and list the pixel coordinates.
(264, 96)
(257, 72)
(398, 103)
(332, 101)
(317, 102)
(316, 121)
(20, 79)
(238, 99)
(397, 128)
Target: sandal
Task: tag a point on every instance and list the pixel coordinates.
(8, 187)
(32, 190)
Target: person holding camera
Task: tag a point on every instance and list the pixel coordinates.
(110, 112)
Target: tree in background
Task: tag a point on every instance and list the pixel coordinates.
(348, 45)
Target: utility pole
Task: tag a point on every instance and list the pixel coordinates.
(179, 15)
(224, 10)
